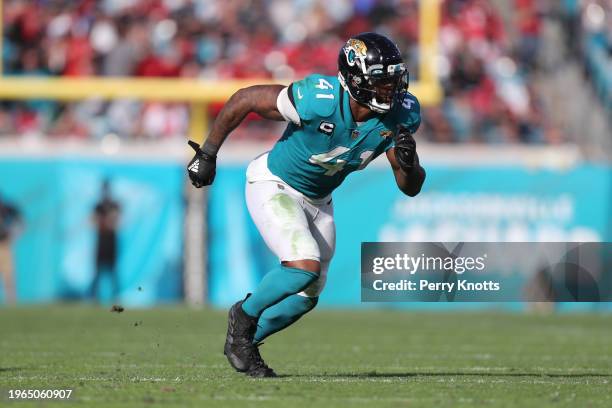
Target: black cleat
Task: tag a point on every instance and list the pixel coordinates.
(239, 349)
(239, 341)
(259, 368)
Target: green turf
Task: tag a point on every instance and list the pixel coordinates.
(172, 357)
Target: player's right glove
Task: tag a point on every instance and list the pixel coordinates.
(405, 150)
(202, 168)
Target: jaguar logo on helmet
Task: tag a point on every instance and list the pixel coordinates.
(355, 49)
(359, 47)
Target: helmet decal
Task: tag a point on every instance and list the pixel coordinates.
(355, 51)
(359, 47)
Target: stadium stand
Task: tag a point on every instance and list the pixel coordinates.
(487, 74)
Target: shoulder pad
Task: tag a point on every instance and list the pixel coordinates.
(315, 96)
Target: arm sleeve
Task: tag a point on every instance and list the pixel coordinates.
(286, 107)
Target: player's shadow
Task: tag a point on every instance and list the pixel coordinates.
(451, 374)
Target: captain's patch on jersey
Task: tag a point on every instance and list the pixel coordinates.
(327, 128)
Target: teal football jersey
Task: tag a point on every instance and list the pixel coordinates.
(316, 156)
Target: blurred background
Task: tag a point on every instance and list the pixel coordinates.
(98, 98)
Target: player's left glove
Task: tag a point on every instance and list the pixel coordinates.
(202, 168)
(405, 150)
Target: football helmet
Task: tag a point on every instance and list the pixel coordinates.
(371, 69)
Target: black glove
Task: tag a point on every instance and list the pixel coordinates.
(202, 168)
(405, 150)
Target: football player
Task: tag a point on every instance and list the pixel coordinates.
(336, 125)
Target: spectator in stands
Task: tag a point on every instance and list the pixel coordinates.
(529, 25)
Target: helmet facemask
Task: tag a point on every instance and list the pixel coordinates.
(387, 89)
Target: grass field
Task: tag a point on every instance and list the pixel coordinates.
(172, 357)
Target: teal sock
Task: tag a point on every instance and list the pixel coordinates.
(283, 314)
(276, 286)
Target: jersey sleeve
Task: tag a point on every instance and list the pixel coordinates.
(410, 115)
(407, 115)
(314, 96)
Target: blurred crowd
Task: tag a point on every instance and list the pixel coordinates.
(486, 72)
(588, 31)
(487, 76)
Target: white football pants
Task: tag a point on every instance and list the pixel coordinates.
(293, 226)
